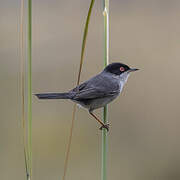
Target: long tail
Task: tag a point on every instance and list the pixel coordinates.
(53, 96)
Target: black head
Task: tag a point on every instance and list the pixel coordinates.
(118, 68)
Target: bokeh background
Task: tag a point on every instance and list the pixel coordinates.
(144, 136)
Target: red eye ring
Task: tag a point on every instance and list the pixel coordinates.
(121, 69)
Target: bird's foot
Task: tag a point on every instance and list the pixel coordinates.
(106, 126)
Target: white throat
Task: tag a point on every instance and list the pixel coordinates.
(123, 79)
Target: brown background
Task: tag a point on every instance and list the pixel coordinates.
(144, 136)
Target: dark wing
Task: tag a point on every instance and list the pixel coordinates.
(97, 87)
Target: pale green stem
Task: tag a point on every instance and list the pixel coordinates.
(30, 88)
(105, 112)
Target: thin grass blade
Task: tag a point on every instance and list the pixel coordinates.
(30, 88)
(78, 81)
(105, 110)
(22, 77)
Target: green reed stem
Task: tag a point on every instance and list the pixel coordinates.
(30, 87)
(78, 81)
(84, 39)
(105, 111)
(22, 58)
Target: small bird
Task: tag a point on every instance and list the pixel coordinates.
(98, 91)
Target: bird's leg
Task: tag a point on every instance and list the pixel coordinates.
(106, 126)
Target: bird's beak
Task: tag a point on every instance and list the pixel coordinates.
(133, 69)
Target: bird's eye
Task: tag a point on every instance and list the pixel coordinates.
(122, 69)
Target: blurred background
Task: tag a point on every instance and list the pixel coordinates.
(144, 135)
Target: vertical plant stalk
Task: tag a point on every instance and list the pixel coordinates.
(105, 110)
(78, 81)
(84, 39)
(30, 88)
(22, 76)
(69, 142)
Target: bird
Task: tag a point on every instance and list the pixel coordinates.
(98, 91)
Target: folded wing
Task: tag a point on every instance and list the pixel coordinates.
(96, 87)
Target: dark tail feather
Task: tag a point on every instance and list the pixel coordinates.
(53, 96)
